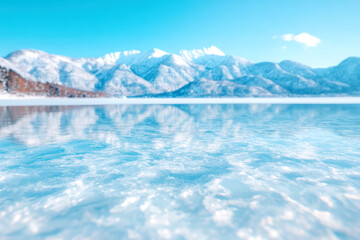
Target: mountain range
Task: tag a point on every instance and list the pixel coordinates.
(206, 72)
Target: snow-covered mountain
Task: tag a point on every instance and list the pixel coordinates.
(206, 72)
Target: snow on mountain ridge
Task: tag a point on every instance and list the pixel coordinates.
(134, 73)
(45, 67)
(118, 57)
(155, 53)
(348, 72)
(197, 53)
(8, 65)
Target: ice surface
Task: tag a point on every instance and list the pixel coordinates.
(180, 172)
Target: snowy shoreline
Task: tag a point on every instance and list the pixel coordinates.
(38, 101)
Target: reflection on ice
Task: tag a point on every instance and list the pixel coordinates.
(180, 172)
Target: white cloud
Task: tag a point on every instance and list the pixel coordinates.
(288, 37)
(303, 38)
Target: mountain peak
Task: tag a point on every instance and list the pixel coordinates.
(31, 53)
(350, 61)
(115, 57)
(155, 53)
(197, 53)
(212, 50)
(291, 64)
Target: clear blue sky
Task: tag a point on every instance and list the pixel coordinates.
(252, 29)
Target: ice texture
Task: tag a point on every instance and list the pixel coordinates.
(180, 172)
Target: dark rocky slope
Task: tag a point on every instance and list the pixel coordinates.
(13, 83)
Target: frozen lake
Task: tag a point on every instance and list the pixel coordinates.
(184, 171)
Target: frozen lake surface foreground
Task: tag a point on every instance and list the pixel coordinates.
(184, 171)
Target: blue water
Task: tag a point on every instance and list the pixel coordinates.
(180, 172)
